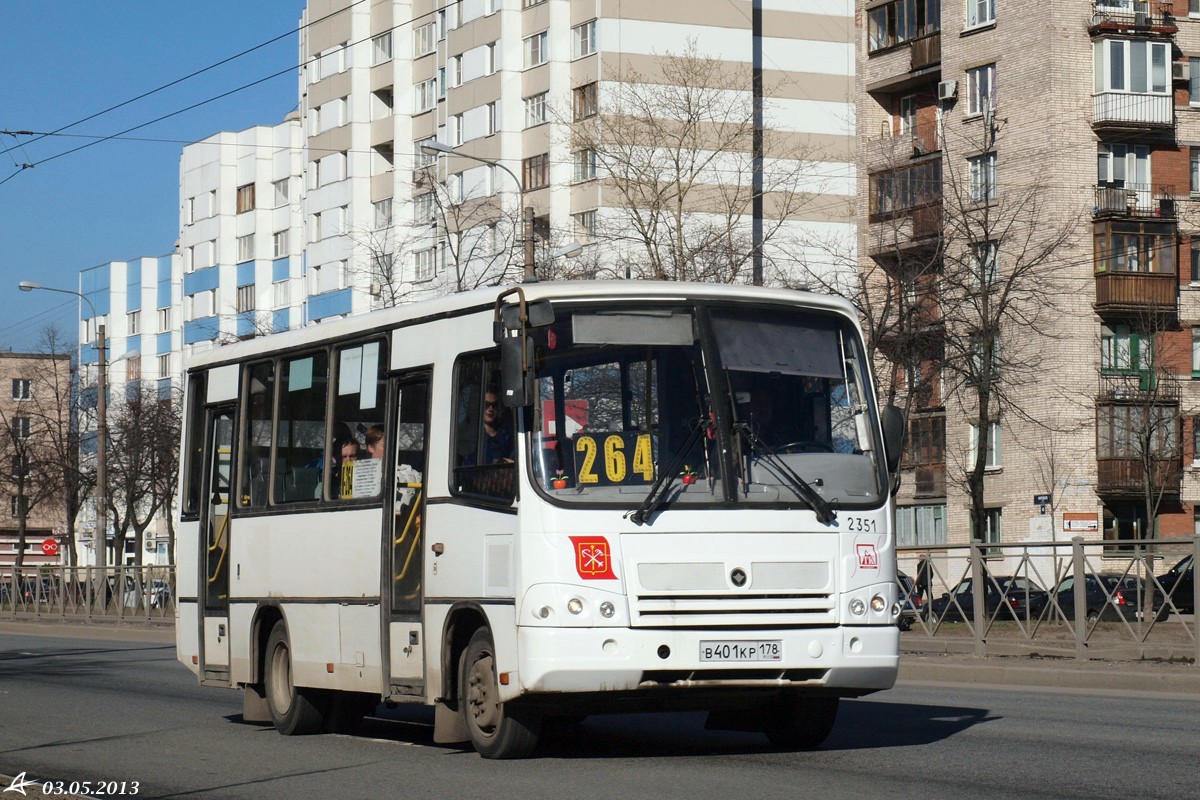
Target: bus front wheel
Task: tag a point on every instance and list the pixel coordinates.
(295, 712)
(497, 730)
(800, 723)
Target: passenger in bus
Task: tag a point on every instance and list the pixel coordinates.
(497, 432)
(375, 441)
(342, 456)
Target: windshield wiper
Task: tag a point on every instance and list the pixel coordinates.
(780, 469)
(662, 484)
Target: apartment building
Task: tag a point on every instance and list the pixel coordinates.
(28, 417)
(995, 127)
(241, 244)
(506, 85)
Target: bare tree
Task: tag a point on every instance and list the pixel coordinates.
(143, 453)
(675, 153)
(1003, 265)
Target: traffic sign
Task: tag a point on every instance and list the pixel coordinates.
(50, 546)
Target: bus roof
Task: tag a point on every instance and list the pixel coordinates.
(484, 299)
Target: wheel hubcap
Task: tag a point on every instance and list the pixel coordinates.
(481, 694)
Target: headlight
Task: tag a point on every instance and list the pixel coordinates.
(575, 605)
(858, 607)
(878, 604)
(607, 609)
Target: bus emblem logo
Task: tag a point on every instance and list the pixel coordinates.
(868, 557)
(593, 561)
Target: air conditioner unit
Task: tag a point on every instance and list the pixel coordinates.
(947, 90)
(1179, 70)
(376, 289)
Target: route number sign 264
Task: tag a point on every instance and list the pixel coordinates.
(607, 459)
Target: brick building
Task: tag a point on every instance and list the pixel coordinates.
(31, 385)
(1088, 110)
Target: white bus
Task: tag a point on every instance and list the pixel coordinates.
(550, 500)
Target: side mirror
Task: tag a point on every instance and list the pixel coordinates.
(893, 437)
(510, 330)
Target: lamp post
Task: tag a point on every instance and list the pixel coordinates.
(436, 148)
(101, 438)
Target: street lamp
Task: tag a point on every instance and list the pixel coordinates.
(436, 148)
(101, 434)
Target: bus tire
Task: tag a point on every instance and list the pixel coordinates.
(497, 730)
(800, 723)
(295, 712)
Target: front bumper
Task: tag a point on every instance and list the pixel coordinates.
(851, 661)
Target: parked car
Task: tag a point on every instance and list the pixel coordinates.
(1179, 585)
(1022, 599)
(911, 604)
(1107, 596)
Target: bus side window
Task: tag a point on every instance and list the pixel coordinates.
(484, 432)
(256, 449)
(300, 435)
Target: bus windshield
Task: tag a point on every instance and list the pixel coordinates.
(735, 403)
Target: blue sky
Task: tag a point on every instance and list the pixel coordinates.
(118, 199)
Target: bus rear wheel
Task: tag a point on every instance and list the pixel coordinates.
(295, 712)
(497, 730)
(800, 723)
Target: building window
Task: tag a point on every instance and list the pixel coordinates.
(1194, 80)
(21, 389)
(535, 172)
(1139, 67)
(899, 190)
(980, 12)
(281, 192)
(189, 211)
(20, 427)
(983, 178)
(585, 165)
(279, 244)
(993, 529)
(1195, 352)
(420, 157)
(245, 298)
(1134, 431)
(383, 213)
(921, 526)
(585, 226)
(164, 320)
(456, 130)
(1135, 247)
(133, 323)
(425, 95)
(531, 3)
(245, 248)
(381, 48)
(425, 39)
(423, 264)
(535, 110)
(315, 228)
(164, 365)
(583, 39)
(245, 198)
(981, 89)
(1195, 259)
(537, 49)
(907, 116)
(992, 459)
(1194, 179)
(902, 21)
(983, 262)
(281, 294)
(133, 369)
(424, 208)
(584, 101)
(1124, 166)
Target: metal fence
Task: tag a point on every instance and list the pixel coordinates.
(995, 599)
(84, 594)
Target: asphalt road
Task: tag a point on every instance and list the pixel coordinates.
(118, 710)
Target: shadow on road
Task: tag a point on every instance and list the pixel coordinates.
(862, 724)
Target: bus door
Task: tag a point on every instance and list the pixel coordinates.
(403, 560)
(215, 522)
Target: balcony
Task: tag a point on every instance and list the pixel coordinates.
(1131, 16)
(1130, 114)
(1125, 476)
(912, 233)
(1139, 387)
(1119, 293)
(1131, 201)
(926, 52)
(929, 481)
